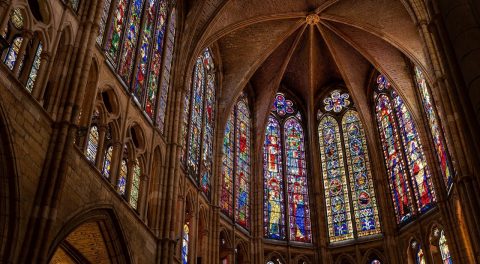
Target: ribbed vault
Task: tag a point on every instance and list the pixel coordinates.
(271, 44)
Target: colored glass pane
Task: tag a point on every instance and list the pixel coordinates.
(335, 182)
(361, 184)
(122, 179)
(208, 127)
(226, 198)
(274, 217)
(394, 162)
(417, 164)
(103, 21)
(336, 101)
(282, 106)
(196, 118)
(107, 162)
(296, 174)
(420, 256)
(435, 129)
(156, 60)
(242, 164)
(167, 66)
(12, 53)
(92, 144)
(444, 251)
(185, 242)
(16, 18)
(32, 76)
(130, 43)
(134, 192)
(115, 34)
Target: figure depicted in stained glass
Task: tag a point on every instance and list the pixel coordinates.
(226, 199)
(107, 162)
(444, 251)
(274, 214)
(399, 135)
(164, 88)
(435, 128)
(292, 154)
(198, 154)
(116, 30)
(92, 144)
(185, 242)
(122, 179)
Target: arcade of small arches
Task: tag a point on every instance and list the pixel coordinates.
(170, 131)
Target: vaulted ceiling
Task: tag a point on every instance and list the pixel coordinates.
(306, 46)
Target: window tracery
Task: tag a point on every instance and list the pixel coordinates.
(400, 139)
(438, 137)
(349, 193)
(285, 164)
(199, 118)
(138, 32)
(235, 191)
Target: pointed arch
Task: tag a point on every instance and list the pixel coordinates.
(102, 222)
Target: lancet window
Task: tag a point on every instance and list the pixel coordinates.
(350, 199)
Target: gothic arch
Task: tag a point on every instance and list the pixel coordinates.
(275, 255)
(110, 230)
(371, 254)
(345, 259)
(9, 193)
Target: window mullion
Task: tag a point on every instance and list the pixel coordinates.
(286, 209)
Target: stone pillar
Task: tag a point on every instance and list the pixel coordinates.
(27, 36)
(463, 30)
(4, 14)
(102, 131)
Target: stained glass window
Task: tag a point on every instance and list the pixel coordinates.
(32, 76)
(335, 181)
(419, 254)
(236, 177)
(444, 251)
(12, 53)
(103, 21)
(417, 164)
(115, 34)
(361, 183)
(107, 162)
(242, 163)
(208, 125)
(226, 197)
(399, 135)
(185, 242)
(144, 51)
(284, 129)
(156, 60)
(134, 192)
(281, 105)
(92, 144)
(199, 151)
(130, 41)
(336, 101)
(122, 179)
(296, 173)
(274, 208)
(167, 66)
(435, 128)
(349, 192)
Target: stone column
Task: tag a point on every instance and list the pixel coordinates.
(463, 30)
(102, 131)
(27, 36)
(4, 14)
